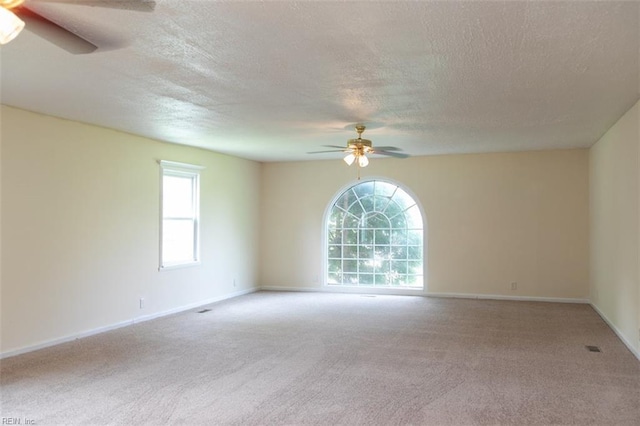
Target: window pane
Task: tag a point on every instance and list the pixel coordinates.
(414, 237)
(382, 265)
(356, 209)
(335, 237)
(380, 203)
(345, 200)
(383, 236)
(366, 279)
(334, 278)
(336, 218)
(398, 221)
(403, 199)
(177, 196)
(350, 252)
(398, 252)
(377, 220)
(414, 218)
(364, 189)
(350, 221)
(366, 251)
(414, 267)
(399, 267)
(393, 209)
(367, 203)
(397, 278)
(382, 252)
(335, 252)
(381, 279)
(177, 241)
(366, 236)
(350, 236)
(349, 265)
(414, 281)
(335, 265)
(414, 252)
(350, 279)
(365, 265)
(384, 188)
(399, 237)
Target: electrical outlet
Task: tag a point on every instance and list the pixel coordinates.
(142, 303)
(514, 285)
(234, 282)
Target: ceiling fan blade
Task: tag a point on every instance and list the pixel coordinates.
(322, 152)
(135, 5)
(54, 33)
(335, 146)
(390, 154)
(388, 148)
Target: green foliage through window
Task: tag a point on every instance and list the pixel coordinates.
(374, 238)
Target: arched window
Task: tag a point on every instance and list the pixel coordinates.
(374, 238)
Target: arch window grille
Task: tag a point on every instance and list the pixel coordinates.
(374, 238)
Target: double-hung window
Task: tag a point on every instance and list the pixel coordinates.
(180, 204)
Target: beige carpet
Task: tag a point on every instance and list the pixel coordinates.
(290, 358)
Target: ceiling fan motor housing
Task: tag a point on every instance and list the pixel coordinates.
(360, 146)
(359, 143)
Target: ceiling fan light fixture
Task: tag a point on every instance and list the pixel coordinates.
(357, 150)
(10, 4)
(350, 158)
(10, 25)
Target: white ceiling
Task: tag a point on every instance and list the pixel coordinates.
(271, 81)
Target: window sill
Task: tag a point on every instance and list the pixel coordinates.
(178, 266)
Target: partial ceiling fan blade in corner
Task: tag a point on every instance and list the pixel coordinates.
(54, 33)
(391, 154)
(387, 148)
(134, 5)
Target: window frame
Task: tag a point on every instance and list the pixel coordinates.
(173, 168)
(373, 288)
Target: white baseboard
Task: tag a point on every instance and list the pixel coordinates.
(405, 292)
(615, 329)
(121, 324)
(194, 305)
(513, 298)
(350, 290)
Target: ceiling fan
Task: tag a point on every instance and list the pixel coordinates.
(16, 15)
(357, 149)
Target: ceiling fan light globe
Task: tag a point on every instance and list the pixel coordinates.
(10, 4)
(10, 25)
(349, 159)
(363, 161)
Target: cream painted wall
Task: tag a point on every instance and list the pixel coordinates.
(80, 222)
(615, 229)
(492, 219)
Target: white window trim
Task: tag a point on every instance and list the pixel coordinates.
(184, 169)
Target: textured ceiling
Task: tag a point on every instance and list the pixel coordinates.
(273, 80)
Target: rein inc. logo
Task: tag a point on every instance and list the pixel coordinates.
(17, 421)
